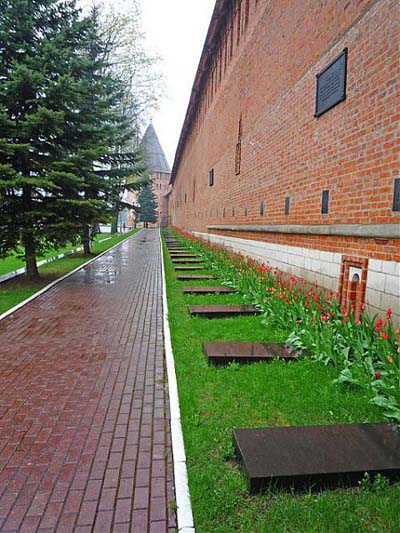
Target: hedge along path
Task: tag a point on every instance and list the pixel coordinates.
(84, 433)
(214, 400)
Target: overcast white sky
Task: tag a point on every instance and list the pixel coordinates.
(176, 30)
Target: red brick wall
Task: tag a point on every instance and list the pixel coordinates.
(352, 150)
(160, 182)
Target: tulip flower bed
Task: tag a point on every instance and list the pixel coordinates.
(214, 400)
(365, 350)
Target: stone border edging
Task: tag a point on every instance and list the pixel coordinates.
(50, 285)
(365, 231)
(182, 494)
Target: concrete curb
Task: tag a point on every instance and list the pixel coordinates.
(53, 283)
(184, 507)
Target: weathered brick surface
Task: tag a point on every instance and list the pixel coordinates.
(268, 79)
(84, 423)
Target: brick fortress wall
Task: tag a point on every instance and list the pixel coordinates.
(257, 99)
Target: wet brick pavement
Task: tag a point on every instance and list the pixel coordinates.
(84, 423)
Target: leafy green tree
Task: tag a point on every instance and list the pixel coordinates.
(125, 172)
(40, 41)
(147, 206)
(105, 131)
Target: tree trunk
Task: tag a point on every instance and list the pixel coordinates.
(114, 224)
(86, 240)
(32, 272)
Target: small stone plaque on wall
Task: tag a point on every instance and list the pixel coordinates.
(331, 84)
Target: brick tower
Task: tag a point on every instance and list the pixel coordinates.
(159, 170)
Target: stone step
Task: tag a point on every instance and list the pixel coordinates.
(324, 456)
(222, 311)
(207, 290)
(190, 277)
(222, 353)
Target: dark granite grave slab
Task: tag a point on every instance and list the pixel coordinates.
(185, 256)
(190, 268)
(187, 261)
(207, 290)
(222, 353)
(190, 277)
(317, 456)
(222, 311)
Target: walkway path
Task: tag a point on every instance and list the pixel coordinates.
(84, 426)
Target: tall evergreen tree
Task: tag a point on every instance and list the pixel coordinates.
(40, 42)
(147, 206)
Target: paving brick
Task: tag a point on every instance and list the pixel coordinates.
(79, 390)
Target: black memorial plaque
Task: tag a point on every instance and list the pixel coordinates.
(331, 84)
(317, 456)
(204, 289)
(222, 353)
(223, 311)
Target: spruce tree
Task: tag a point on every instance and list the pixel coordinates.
(147, 206)
(40, 43)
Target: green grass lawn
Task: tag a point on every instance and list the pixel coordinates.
(16, 290)
(214, 400)
(14, 262)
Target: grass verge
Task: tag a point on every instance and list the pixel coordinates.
(16, 290)
(14, 262)
(214, 400)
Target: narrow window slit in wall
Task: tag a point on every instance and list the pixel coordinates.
(246, 209)
(396, 195)
(211, 177)
(325, 202)
(262, 208)
(238, 153)
(287, 205)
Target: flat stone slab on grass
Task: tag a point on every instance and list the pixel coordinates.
(321, 456)
(183, 254)
(190, 267)
(190, 277)
(222, 311)
(188, 261)
(222, 353)
(208, 290)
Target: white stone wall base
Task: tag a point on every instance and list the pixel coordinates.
(383, 280)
